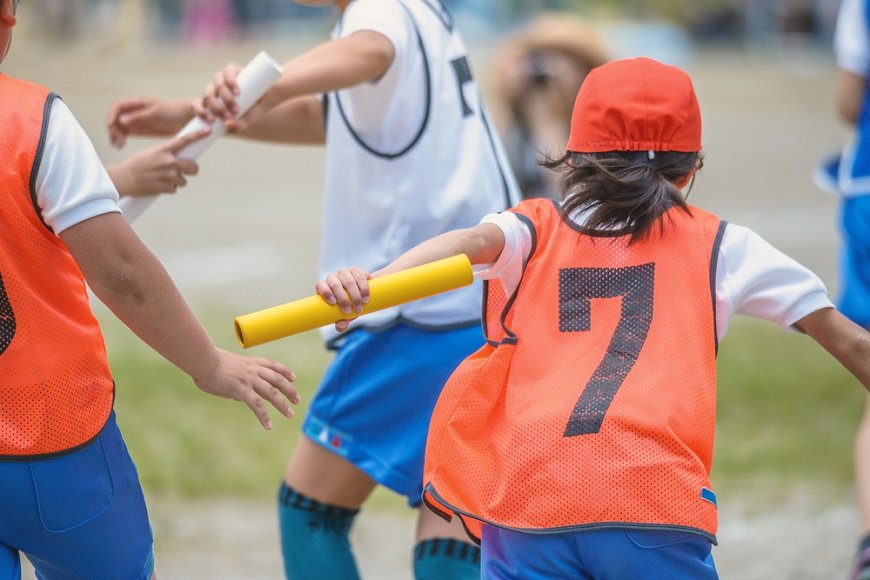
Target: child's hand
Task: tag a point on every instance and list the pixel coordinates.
(253, 380)
(157, 169)
(349, 289)
(219, 100)
(146, 116)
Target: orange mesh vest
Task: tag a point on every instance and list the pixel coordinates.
(56, 390)
(593, 402)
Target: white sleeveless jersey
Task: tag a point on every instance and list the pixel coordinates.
(410, 156)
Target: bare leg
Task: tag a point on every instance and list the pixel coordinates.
(327, 477)
(862, 469)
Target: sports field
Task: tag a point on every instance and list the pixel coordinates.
(244, 235)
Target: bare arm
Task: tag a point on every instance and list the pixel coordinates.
(349, 287)
(850, 96)
(482, 244)
(845, 340)
(363, 56)
(127, 277)
(298, 121)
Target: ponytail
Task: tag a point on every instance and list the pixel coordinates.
(624, 191)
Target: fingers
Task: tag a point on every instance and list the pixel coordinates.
(116, 120)
(274, 386)
(180, 143)
(348, 288)
(186, 167)
(221, 92)
(277, 390)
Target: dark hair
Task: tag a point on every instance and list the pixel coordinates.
(625, 192)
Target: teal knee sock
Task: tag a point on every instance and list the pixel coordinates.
(314, 538)
(441, 558)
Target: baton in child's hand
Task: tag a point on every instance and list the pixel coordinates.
(385, 291)
(254, 81)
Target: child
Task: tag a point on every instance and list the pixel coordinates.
(409, 155)
(72, 501)
(578, 441)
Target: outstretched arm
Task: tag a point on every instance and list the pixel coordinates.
(845, 340)
(130, 280)
(349, 287)
(362, 57)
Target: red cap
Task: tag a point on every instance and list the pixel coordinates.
(636, 104)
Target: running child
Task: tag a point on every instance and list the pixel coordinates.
(409, 154)
(72, 501)
(578, 441)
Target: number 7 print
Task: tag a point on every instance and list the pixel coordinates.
(577, 286)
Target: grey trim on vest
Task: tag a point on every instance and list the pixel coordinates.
(714, 263)
(37, 159)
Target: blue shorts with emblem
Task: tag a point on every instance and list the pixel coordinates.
(77, 515)
(376, 398)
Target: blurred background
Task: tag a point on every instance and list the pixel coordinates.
(244, 235)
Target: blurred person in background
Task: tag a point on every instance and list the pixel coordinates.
(847, 174)
(536, 74)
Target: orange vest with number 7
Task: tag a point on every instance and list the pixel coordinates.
(593, 402)
(56, 390)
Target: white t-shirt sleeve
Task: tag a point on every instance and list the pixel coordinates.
(368, 104)
(517, 247)
(755, 279)
(71, 183)
(852, 38)
(386, 17)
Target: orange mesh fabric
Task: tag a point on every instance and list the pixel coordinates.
(603, 411)
(56, 389)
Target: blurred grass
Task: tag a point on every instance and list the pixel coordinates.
(188, 443)
(787, 415)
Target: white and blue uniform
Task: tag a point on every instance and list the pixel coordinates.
(848, 174)
(408, 157)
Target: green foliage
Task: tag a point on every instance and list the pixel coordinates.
(787, 416)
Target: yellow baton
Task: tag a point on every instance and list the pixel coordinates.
(386, 291)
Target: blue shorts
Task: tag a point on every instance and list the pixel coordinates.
(854, 294)
(600, 554)
(79, 515)
(376, 398)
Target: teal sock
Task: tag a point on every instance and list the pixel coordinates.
(441, 558)
(314, 538)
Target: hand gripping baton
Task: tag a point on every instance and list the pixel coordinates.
(254, 81)
(386, 291)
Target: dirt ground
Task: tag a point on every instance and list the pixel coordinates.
(245, 234)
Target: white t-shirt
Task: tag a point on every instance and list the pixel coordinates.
(852, 39)
(752, 277)
(410, 156)
(71, 183)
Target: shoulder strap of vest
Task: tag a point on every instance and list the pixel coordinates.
(37, 160)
